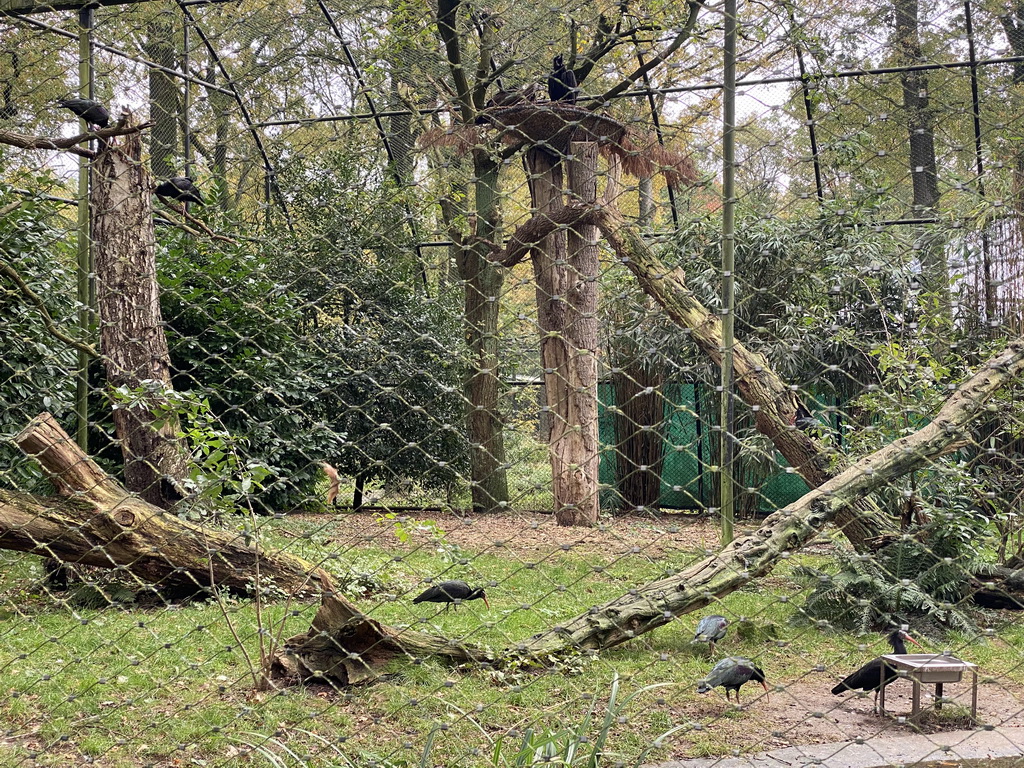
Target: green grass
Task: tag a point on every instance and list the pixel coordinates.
(137, 685)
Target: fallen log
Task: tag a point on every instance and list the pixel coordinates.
(95, 521)
(783, 532)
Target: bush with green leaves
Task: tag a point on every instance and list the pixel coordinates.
(37, 372)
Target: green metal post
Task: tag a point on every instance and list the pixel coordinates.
(727, 500)
(86, 290)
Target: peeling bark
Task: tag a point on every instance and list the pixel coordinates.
(132, 338)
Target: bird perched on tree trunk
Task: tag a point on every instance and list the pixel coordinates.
(181, 189)
(731, 673)
(562, 85)
(451, 593)
(94, 113)
(710, 630)
(872, 676)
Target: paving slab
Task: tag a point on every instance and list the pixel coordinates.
(995, 748)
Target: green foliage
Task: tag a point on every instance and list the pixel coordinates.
(36, 370)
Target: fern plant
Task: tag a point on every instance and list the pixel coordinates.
(907, 579)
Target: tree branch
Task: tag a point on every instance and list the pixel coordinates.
(657, 61)
(28, 141)
(40, 306)
(448, 30)
(530, 234)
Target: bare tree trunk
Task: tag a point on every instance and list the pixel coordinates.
(923, 165)
(639, 433)
(483, 281)
(132, 336)
(565, 268)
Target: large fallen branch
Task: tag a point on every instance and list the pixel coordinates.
(785, 531)
(95, 521)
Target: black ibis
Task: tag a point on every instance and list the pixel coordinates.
(180, 189)
(94, 113)
(731, 673)
(562, 83)
(871, 676)
(710, 630)
(451, 592)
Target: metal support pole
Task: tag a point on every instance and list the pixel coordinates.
(86, 286)
(727, 500)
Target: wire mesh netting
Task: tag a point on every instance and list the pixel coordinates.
(408, 384)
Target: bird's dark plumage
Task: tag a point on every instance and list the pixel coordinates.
(562, 83)
(732, 673)
(451, 592)
(89, 110)
(870, 676)
(710, 630)
(180, 189)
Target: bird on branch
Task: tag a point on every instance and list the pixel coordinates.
(562, 85)
(180, 189)
(95, 114)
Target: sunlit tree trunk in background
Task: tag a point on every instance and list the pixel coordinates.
(923, 167)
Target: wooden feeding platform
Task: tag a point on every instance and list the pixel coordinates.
(928, 668)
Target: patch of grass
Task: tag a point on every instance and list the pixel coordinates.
(127, 685)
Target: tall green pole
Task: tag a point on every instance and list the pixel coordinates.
(727, 500)
(86, 292)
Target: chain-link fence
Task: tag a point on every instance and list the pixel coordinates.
(429, 385)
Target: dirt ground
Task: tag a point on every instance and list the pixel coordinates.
(802, 712)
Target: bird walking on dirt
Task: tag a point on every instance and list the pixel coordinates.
(872, 676)
(710, 630)
(95, 114)
(451, 593)
(181, 189)
(562, 85)
(732, 673)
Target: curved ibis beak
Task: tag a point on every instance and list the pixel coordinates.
(765, 686)
(908, 637)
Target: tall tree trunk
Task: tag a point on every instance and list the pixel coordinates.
(164, 99)
(565, 268)
(923, 166)
(483, 281)
(132, 338)
(639, 433)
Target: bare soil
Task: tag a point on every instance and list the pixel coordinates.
(801, 712)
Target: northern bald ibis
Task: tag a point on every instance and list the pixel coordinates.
(181, 189)
(710, 630)
(562, 82)
(871, 677)
(452, 593)
(89, 110)
(732, 673)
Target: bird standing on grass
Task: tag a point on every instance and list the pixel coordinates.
(710, 630)
(451, 593)
(181, 189)
(94, 113)
(871, 676)
(562, 83)
(732, 673)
